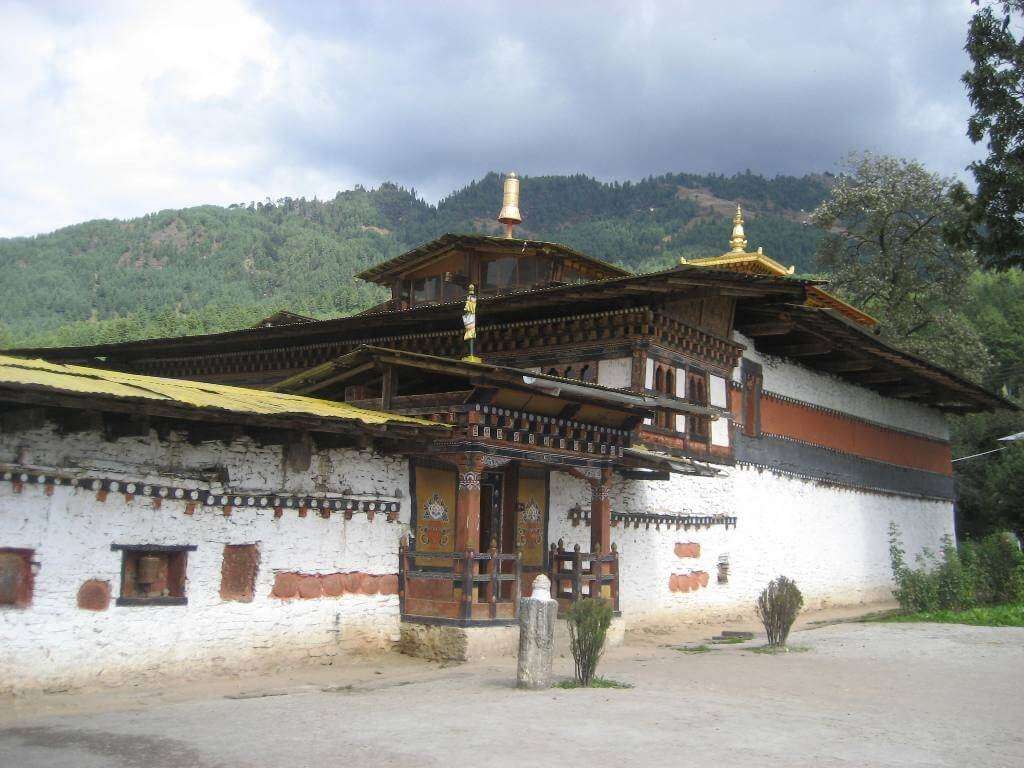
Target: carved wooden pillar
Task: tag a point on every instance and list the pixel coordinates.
(601, 512)
(467, 503)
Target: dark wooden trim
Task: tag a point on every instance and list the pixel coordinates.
(153, 547)
(138, 602)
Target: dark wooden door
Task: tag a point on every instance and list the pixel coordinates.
(490, 510)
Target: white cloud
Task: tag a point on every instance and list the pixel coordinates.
(135, 108)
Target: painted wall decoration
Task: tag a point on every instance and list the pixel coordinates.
(531, 513)
(435, 512)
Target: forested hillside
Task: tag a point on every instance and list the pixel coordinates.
(211, 268)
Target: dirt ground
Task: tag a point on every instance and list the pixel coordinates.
(855, 695)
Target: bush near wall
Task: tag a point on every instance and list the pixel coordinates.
(989, 571)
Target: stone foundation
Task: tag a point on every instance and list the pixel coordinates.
(448, 643)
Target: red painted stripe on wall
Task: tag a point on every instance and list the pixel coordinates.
(851, 435)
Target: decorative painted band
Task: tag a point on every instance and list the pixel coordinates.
(784, 417)
(540, 419)
(845, 415)
(324, 350)
(21, 476)
(578, 515)
(812, 462)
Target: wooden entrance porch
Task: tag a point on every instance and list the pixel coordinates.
(472, 567)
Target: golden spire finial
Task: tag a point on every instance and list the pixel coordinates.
(510, 215)
(739, 240)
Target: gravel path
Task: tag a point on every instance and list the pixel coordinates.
(859, 695)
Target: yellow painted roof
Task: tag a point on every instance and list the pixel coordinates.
(76, 379)
(744, 262)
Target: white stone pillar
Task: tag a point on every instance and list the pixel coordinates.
(537, 616)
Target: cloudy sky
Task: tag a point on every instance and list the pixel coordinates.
(111, 109)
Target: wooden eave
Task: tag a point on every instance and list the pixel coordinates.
(504, 386)
(679, 282)
(501, 386)
(824, 339)
(284, 317)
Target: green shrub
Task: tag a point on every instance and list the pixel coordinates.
(1001, 566)
(777, 608)
(955, 579)
(987, 572)
(588, 621)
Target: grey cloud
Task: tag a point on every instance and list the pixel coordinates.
(434, 94)
(622, 90)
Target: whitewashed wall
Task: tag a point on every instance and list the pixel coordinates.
(787, 378)
(54, 643)
(833, 542)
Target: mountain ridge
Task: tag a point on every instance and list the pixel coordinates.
(207, 268)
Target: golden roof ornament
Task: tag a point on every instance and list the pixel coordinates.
(739, 240)
(509, 215)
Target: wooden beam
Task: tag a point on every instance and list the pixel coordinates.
(72, 422)
(810, 349)
(878, 377)
(637, 474)
(910, 392)
(118, 425)
(483, 395)
(777, 328)
(336, 379)
(847, 366)
(570, 410)
(387, 388)
(23, 420)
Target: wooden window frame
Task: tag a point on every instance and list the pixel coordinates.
(698, 428)
(752, 376)
(177, 556)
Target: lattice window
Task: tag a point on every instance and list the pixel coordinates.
(697, 393)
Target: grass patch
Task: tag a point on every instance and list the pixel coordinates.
(983, 616)
(730, 640)
(693, 648)
(597, 682)
(773, 650)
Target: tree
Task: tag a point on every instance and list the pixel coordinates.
(990, 486)
(995, 87)
(885, 251)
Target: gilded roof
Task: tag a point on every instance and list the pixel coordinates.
(759, 264)
(81, 380)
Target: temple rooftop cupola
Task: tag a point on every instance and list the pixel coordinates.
(739, 259)
(442, 270)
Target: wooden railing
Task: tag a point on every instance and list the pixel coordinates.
(577, 574)
(458, 586)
